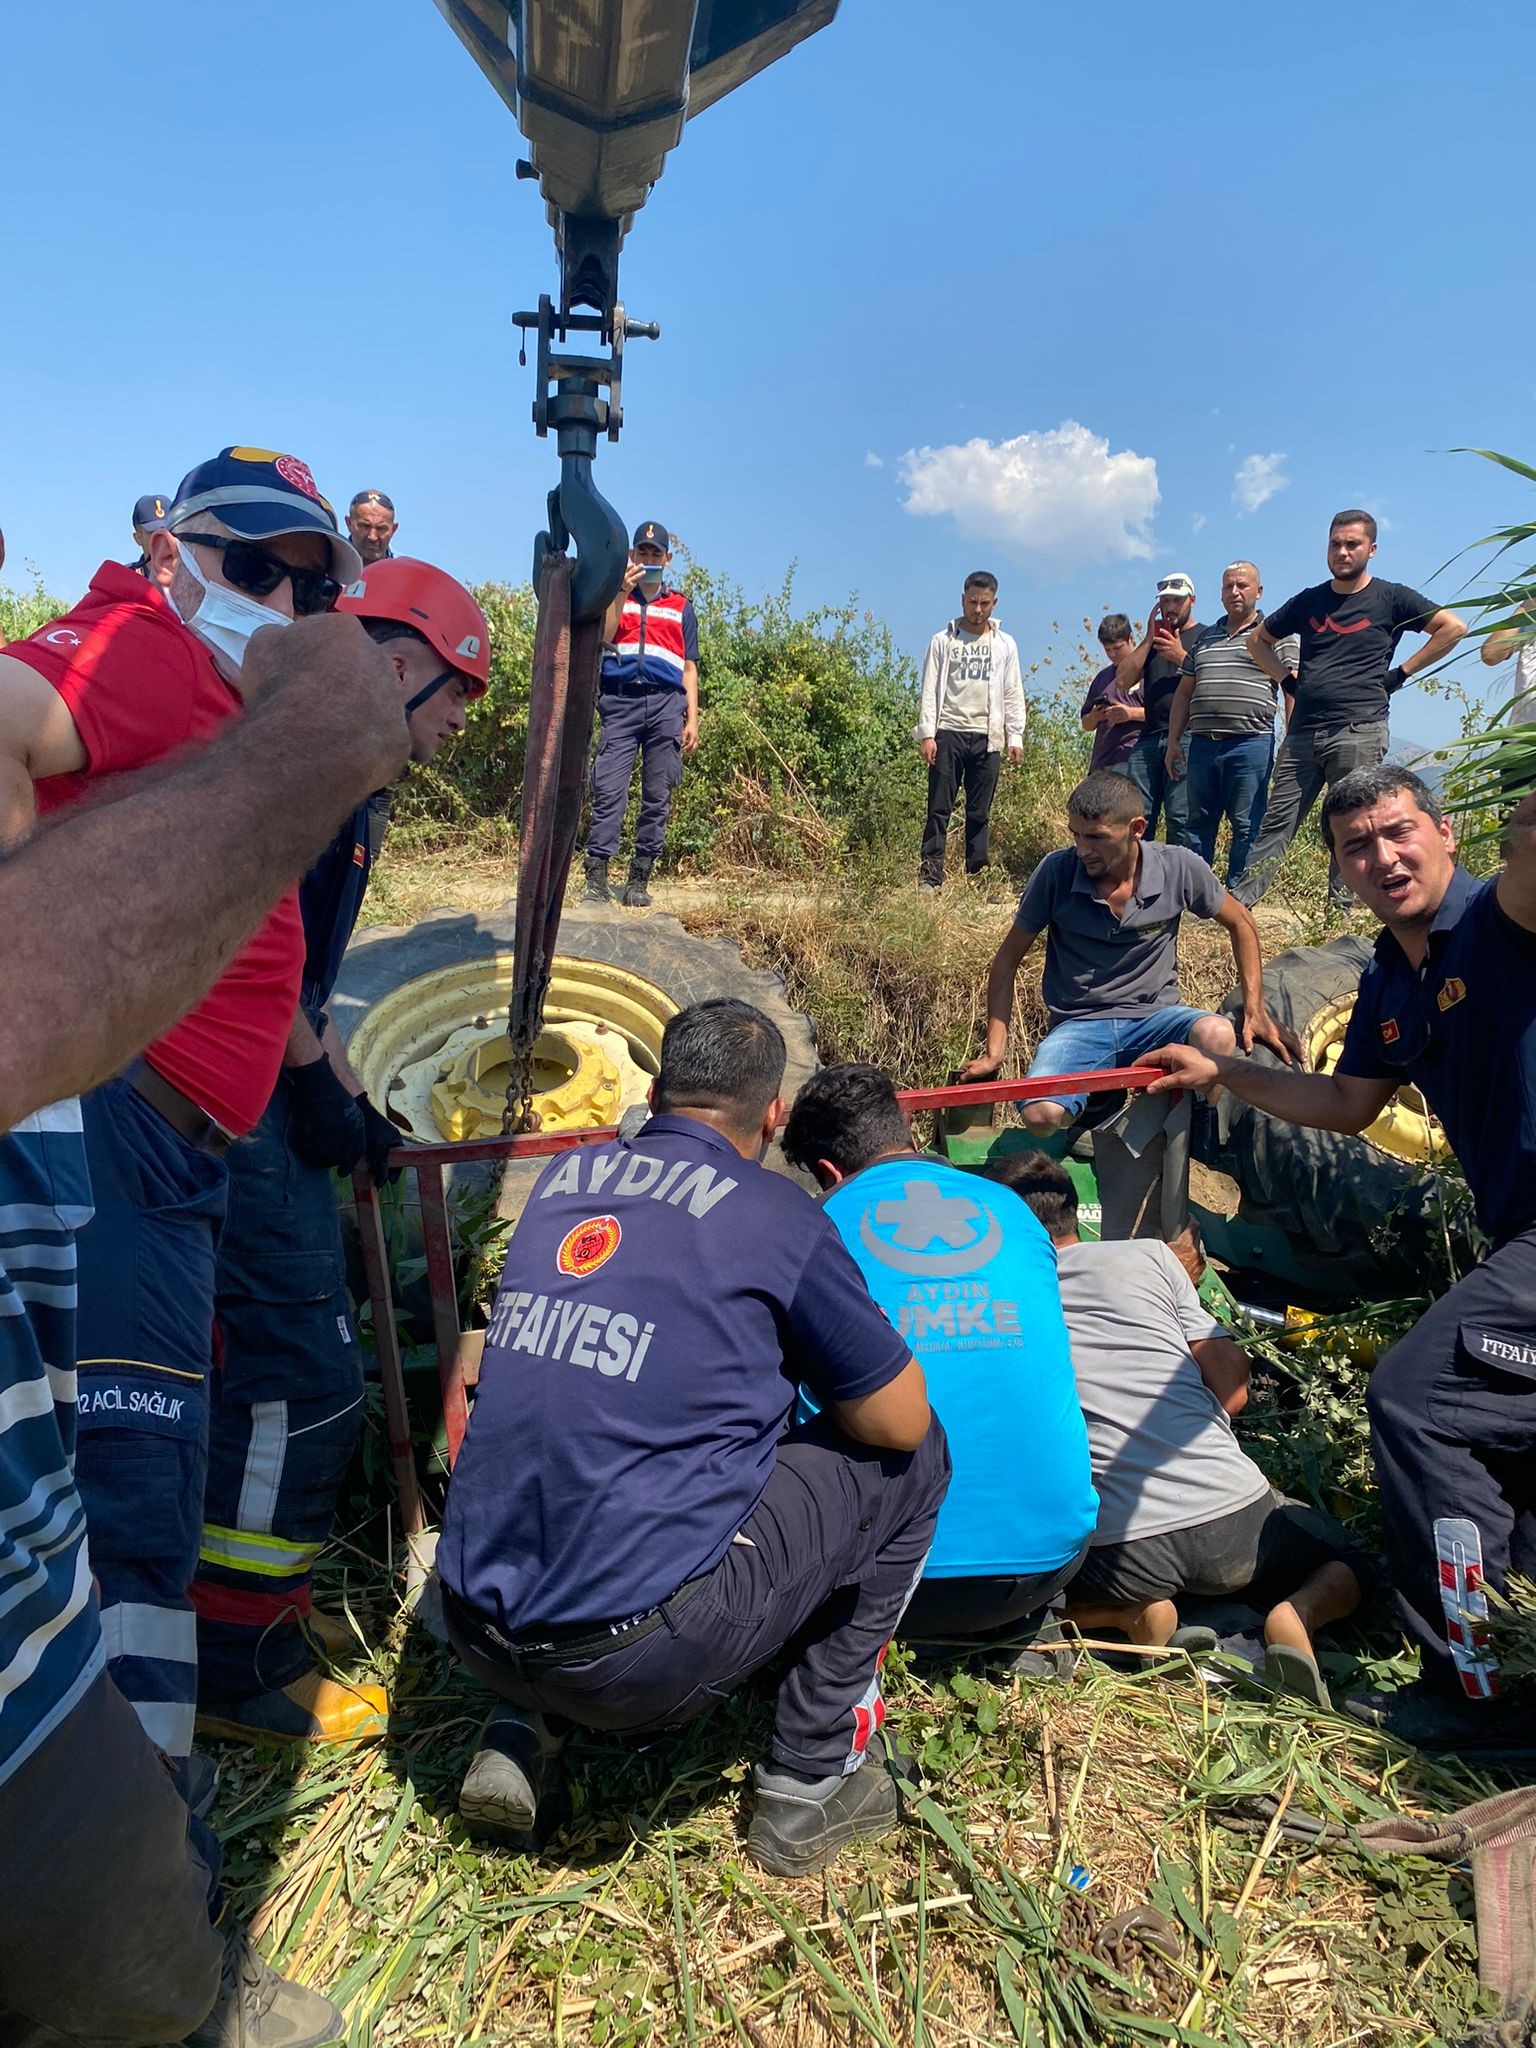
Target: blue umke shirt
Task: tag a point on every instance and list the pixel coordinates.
(661, 1300)
(967, 1274)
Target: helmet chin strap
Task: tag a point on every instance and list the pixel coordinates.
(428, 690)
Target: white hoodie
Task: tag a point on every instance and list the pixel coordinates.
(1005, 687)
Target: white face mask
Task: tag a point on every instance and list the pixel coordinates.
(226, 618)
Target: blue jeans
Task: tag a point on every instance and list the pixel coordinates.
(1166, 798)
(1089, 1045)
(1229, 778)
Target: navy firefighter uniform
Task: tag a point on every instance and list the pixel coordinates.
(642, 706)
(629, 1532)
(1453, 1403)
(287, 1407)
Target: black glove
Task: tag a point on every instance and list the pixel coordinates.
(1395, 680)
(328, 1127)
(381, 1137)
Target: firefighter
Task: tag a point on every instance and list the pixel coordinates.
(288, 1397)
(1448, 1005)
(630, 1533)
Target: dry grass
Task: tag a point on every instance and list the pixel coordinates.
(640, 1920)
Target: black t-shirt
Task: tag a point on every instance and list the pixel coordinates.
(1348, 642)
(1160, 679)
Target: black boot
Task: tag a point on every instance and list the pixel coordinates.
(799, 1824)
(636, 895)
(596, 890)
(499, 1798)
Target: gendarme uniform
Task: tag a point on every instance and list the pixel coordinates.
(1453, 1404)
(641, 708)
(629, 1534)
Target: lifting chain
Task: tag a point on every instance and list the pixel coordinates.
(1141, 1945)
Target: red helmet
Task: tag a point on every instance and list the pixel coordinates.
(436, 604)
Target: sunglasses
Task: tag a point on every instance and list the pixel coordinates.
(258, 572)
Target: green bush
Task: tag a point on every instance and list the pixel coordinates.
(805, 755)
(23, 611)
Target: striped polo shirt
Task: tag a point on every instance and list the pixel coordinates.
(50, 1635)
(1232, 693)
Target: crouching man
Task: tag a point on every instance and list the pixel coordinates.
(1181, 1508)
(629, 1535)
(968, 1277)
(1110, 906)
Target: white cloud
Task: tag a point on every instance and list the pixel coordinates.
(1258, 478)
(872, 460)
(1197, 522)
(1056, 494)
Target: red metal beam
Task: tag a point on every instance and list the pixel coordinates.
(386, 1339)
(962, 1095)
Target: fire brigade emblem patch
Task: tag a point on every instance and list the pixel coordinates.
(588, 1246)
(1453, 992)
(1389, 1032)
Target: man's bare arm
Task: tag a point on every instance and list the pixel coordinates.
(121, 915)
(37, 738)
(1323, 1102)
(1261, 645)
(1445, 629)
(1001, 976)
(1128, 673)
(336, 1053)
(893, 1418)
(1223, 1366)
(1258, 1027)
(1498, 647)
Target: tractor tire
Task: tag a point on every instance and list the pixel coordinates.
(1330, 1194)
(686, 968)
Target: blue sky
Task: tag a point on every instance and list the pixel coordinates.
(1126, 249)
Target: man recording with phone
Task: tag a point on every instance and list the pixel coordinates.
(647, 704)
(1150, 673)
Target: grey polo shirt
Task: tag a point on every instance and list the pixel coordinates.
(1164, 1455)
(1100, 965)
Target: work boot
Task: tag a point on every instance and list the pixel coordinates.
(596, 889)
(499, 1798)
(313, 1708)
(636, 895)
(799, 1824)
(258, 2009)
